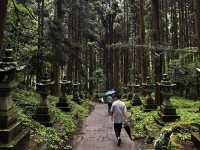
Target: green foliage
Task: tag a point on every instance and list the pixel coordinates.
(65, 124)
(144, 123)
(140, 119)
(185, 103)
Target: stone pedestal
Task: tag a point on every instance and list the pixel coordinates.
(125, 92)
(130, 91)
(76, 98)
(13, 136)
(62, 104)
(136, 101)
(149, 103)
(130, 96)
(76, 94)
(168, 112)
(42, 114)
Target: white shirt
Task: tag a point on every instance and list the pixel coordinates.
(118, 110)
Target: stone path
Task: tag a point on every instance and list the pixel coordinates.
(97, 133)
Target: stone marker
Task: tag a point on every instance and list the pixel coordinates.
(136, 101)
(125, 92)
(76, 95)
(130, 91)
(63, 104)
(42, 113)
(13, 136)
(149, 103)
(168, 112)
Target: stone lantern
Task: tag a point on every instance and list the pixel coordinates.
(68, 87)
(136, 101)
(149, 103)
(168, 112)
(130, 91)
(125, 92)
(76, 96)
(81, 93)
(76, 87)
(63, 104)
(42, 113)
(13, 136)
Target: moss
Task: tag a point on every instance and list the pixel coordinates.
(173, 143)
(179, 102)
(65, 124)
(144, 124)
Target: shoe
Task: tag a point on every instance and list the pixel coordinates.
(118, 141)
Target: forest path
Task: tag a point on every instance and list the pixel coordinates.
(97, 133)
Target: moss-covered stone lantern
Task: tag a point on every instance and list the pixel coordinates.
(76, 95)
(130, 91)
(42, 114)
(149, 103)
(136, 101)
(168, 112)
(13, 136)
(63, 104)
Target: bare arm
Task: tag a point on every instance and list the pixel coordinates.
(125, 114)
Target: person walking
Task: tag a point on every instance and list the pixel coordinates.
(119, 116)
(109, 101)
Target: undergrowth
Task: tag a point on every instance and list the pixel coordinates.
(144, 123)
(64, 126)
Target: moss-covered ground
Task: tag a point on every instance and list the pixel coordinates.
(145, 125)
(65, 124)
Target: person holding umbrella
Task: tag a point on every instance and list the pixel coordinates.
(119, 116)
(109, 99)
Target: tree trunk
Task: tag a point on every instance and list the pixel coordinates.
(143, 60)
(197, 21)
(3, 13)
(156, 42)
(59, 19)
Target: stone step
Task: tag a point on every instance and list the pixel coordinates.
(6, 135)
(20, 142)
(7, 118)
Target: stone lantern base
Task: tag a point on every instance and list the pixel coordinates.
(195, 137)
(42, 116)
(63, 105)
(13, 136)
(148, 108)
(77, 99)
(149, 105)
(136, 101)
(130, 96)
(168, 114)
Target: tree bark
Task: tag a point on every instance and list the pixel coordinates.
(143, 60)
(197, 22)
(3, 13)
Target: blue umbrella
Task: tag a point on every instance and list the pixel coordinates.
(109, 92)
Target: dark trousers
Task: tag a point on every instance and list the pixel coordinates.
(117, 128)
(109, 106)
